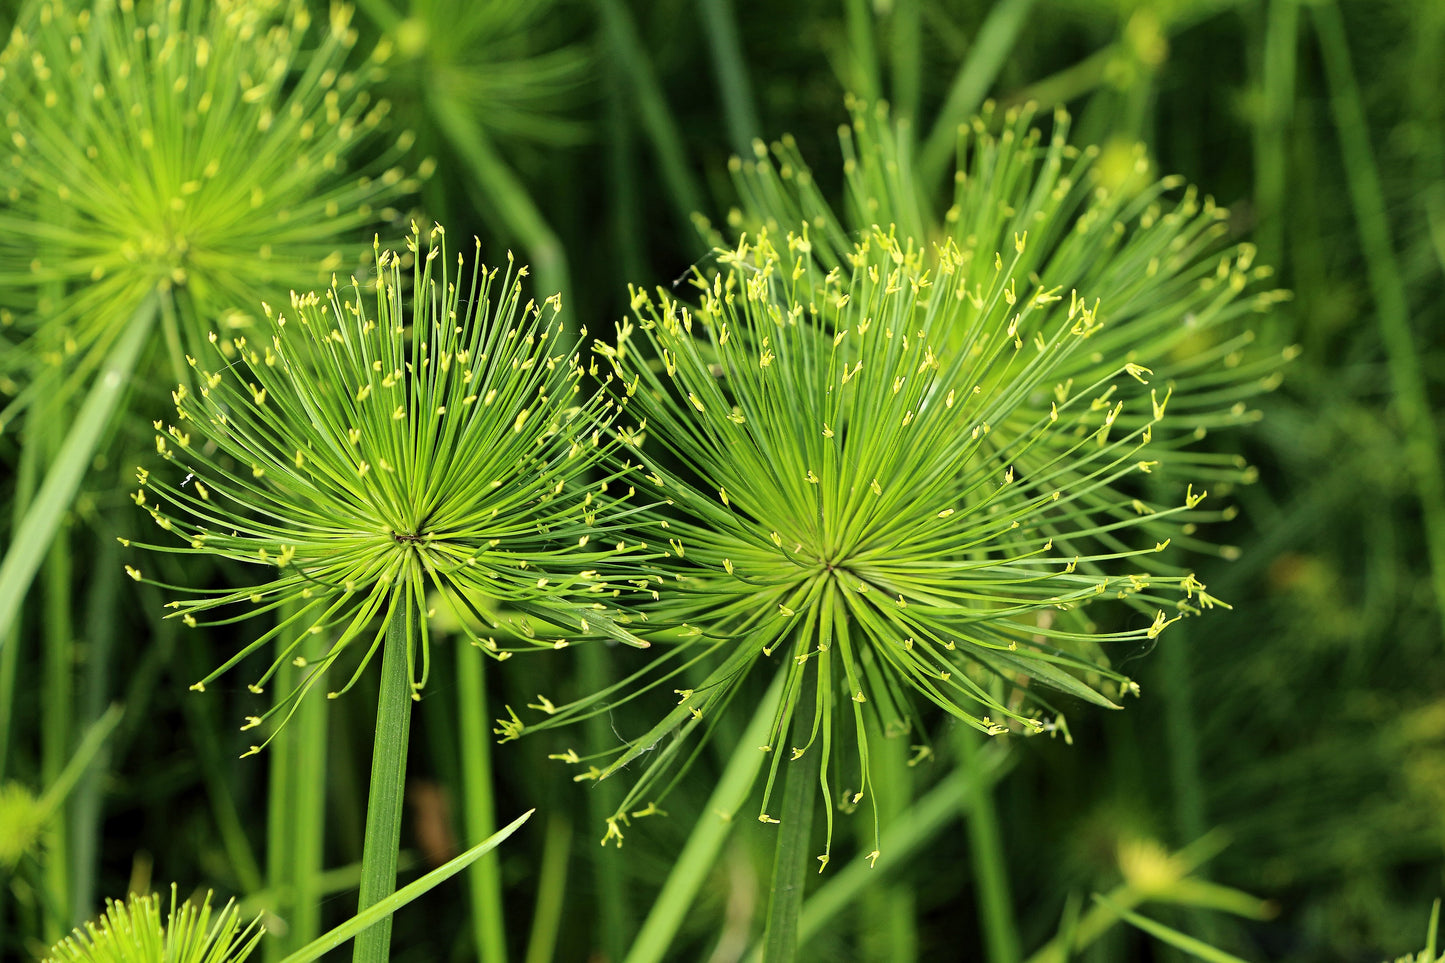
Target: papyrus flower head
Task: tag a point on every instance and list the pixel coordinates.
(370, 448)
(1176, 296)
(851, 506)
(132, 930)
(205, 150)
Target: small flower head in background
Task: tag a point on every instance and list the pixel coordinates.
(1034, 218)
(198, 149)
(499, 61)
(370, 448)
(22, 819)
(852, 504)
(132, 931)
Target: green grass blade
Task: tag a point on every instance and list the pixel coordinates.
(502, 190)
(34, 533)
(1422, 454)
(975, 75)
(630, 55)
(384, 908)
(736, 91)
(695, 861)
(1180, 941)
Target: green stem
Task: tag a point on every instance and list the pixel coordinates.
(791, 859)
(975, 75)
(990, 869)
(864, 76)
(905, 59)
(908, 834)
(1422, 456)
(551, 891)
(732, 73)
(1271, 137)
(57, 639)
(296, 835)
(887, 923)
(31, 466)
(629, 55)
(504, 192)
(101, 620)
(608, 873)
(479, 816)
(33, 535)
(695, 862)
(388, 784)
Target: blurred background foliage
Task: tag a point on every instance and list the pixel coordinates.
(1300, 735)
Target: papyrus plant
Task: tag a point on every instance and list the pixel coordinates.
(849, 504)
(1176, 294)
(133, 931)
(201, 151)
(170, 166)
(368, 447)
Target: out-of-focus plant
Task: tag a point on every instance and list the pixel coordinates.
(170, 168)
(482, 75)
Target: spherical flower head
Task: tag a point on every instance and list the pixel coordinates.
(198, 149)
(376, 448)
(1033, 218)
(132, 930)
(22, 818)
(851, 508)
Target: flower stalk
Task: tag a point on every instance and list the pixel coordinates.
(388, 785)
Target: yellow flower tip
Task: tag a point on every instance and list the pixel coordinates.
(133, 572)
(198, 687)
(251, 723)
(765, 818)
(823, 861)
(873, 858)
(333, 695)
(254, 750)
